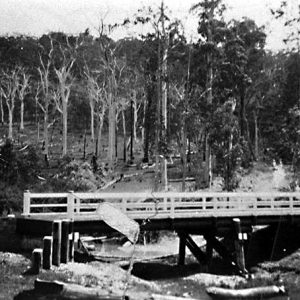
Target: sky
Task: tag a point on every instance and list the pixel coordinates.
(36, 17)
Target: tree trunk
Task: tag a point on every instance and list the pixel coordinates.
(46, 135)
(209, 86)
(135, 113)
(184, 158)
(164, 98)
(124, 136)
(143, 121)
(22, 116)
(10, 123)
(242, 114)
(256, 150)
(99, 135)
(208, 162)
(92, 107)
(2, 111)
(65, 125)
(111, 131)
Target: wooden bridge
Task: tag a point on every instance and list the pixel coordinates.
(208, 214)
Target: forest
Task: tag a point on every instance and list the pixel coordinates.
(219, 103)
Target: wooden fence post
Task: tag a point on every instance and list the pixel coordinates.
(56, 239)
(26, 203)
(47, 252)
(64, 254)
(36, 260)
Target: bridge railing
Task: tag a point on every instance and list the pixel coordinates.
(163, 204)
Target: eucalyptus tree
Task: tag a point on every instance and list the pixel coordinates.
(212, 35)
(163, 35)
(9, 91)
(65, 55)
(24, 89)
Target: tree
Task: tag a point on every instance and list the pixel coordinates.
(44, 70)
(212, 31)
(24, 89)
(9, 90)
(1, 109)
(62, 94)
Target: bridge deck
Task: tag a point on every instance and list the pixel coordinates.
(193, 212)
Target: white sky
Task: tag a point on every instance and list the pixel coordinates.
(35, 17)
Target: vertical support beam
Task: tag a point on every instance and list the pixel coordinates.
(56, 238)
(47, 252)
(239, 247)
(26, 203)
(71, 241)
(182, 246)
(209, 250)
(64, 254)
(36, 261)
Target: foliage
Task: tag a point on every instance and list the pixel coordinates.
(75, 176)
(18, 171)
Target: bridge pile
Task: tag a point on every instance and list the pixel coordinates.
(57, 248)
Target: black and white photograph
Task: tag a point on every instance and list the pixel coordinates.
(149, 149)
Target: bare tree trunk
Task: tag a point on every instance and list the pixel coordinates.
(99, 135)
(208, 162)
(164, 96)
(144, 119)
(256, 149)
(184, 158)
(124, 136)
(2, 111)
(92, 107)
(135, 113)
(22, 115)
(65, 124)
(46, 135)
(111, 131)
(10, 123)
(208, 158)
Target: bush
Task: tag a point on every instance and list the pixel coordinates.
(75, 176)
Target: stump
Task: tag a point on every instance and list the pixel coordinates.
(47, 252)
(36, 260)
(56, 240)
(65, 241)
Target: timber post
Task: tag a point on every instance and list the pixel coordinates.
(70, 205)
(239, 247)
(71, 241)
(36, 260)
(56, 238)
(65, 224)
(26, 203)
(47, 252)
(209, 249)
(182, 247)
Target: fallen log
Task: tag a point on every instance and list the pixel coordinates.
(73, 291)
(167, 297)
(248, 293)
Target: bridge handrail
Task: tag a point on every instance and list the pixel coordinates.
(170, 204)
